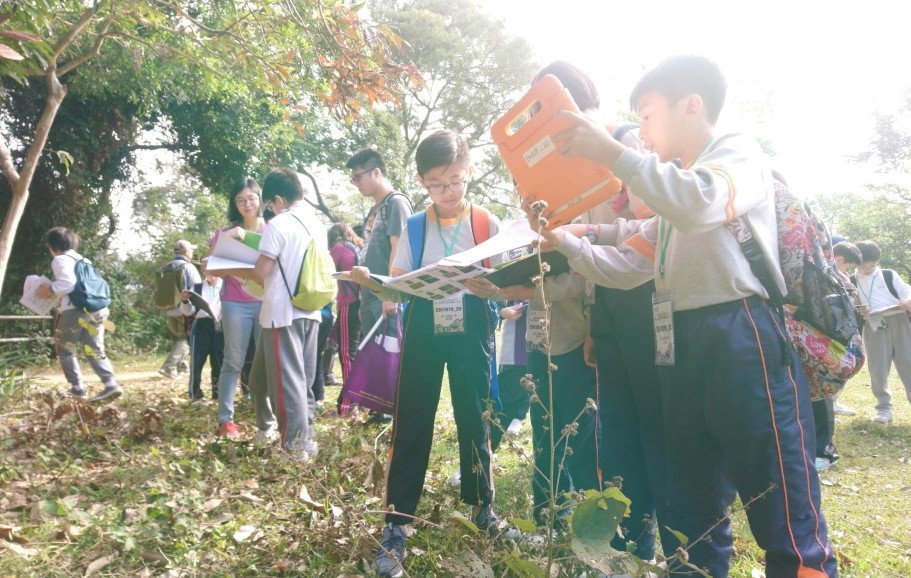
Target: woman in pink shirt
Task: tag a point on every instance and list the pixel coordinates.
(345, 245)
(240, 301)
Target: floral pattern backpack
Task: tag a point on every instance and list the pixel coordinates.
(820, 317)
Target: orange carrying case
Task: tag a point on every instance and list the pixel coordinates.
(524, 135)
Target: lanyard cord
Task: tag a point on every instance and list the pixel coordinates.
(449, 247)
(869, 294)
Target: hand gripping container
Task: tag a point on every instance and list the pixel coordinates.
(525, 137)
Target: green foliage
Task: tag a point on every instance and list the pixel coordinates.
(885, 219)
(472, 71)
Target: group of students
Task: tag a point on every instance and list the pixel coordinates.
(700, 395)
(670, 369)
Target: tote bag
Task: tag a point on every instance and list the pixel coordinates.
(373, 380)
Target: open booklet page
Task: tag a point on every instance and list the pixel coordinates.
(447, 276)
(39, 305)
(229, 253)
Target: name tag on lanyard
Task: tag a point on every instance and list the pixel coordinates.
(663, 321)
(536, 334)
(449, 315)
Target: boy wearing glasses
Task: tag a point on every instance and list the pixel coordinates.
(382, 228)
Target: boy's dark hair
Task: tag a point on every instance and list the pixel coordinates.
(62, 239)
(367, 159)
(869, 250)
(283, 182)
(681, 76)
(234, 215)
(849, 252)
(579, 84)
(441, 149)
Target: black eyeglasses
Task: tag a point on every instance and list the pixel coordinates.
(356, 177)
(455, 187)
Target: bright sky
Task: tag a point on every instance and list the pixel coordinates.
(819, 69)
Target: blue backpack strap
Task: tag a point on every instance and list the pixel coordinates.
(416, 225)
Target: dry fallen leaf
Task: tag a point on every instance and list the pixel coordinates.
(304, 496)
(23, 551)
(98, 564)
(211, 504)
(243, 533)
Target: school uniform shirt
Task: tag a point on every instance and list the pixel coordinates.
(433, 241)
(286, 240)
(212, 295)
(876, 295)
(704, 263)
(568, 322)
(64, 268)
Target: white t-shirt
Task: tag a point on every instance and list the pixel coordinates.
(434, 238)
(64, 268)
(875, 293)
(286, 240)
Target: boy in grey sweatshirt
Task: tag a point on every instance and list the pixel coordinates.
(737, 414)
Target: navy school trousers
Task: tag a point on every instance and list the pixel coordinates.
(738, 418)
(629, 402)
(425, 355)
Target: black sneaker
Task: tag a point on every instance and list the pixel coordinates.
(111, 391)
(391, 553)
(77, 392)
(378, 418)
(486, 520)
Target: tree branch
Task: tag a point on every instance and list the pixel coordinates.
(6, 165)
(320, 203)
(73, 32)
(155, 147)
(94, 51)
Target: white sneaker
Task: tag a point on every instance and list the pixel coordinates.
(312, 449)
(883, 417)
(456, 480)
(264, 438)
(842, 409)
(822, 464)
(514, 427)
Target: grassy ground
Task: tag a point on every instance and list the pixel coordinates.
(143, 488)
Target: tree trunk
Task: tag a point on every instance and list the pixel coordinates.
(19, 183)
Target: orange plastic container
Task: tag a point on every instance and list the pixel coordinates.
(524, 135)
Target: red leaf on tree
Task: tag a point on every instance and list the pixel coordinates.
(20, 35)
(9, 53)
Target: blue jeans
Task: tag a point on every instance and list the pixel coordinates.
(239, 320)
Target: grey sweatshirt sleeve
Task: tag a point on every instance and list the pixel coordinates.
(625, 260)
(706, 195)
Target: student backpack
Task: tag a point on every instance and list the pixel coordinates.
(91, 292)
(168, 285)
(315, 287)
(417, 223)
(820, 316)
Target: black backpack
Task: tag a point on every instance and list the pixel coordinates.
(91, 293)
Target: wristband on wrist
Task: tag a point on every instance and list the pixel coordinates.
(592, 233)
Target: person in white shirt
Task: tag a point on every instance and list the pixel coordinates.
(288, 334)
(887, 331)
(207, 340)
(75, 328)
